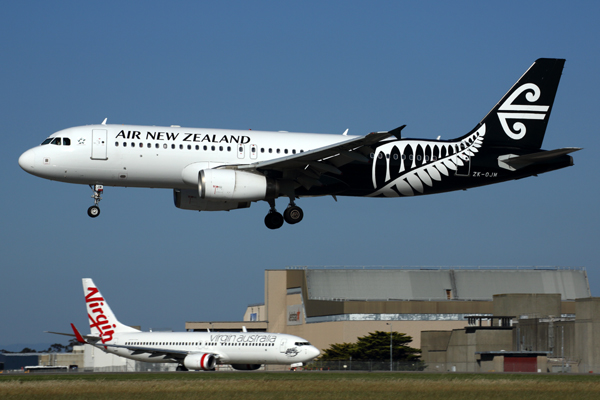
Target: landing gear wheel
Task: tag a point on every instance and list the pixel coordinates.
(274, 220)
(293, 215)
(181, 368)
(94, 211)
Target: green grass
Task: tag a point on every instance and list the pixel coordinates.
(298, 386)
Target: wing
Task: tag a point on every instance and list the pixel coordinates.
(136, 350)
(307, 168)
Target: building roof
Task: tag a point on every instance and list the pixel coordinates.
(438, 284)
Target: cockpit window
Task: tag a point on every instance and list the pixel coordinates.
(56, 141)
(302, 344)
(47, 141)
(66, 141)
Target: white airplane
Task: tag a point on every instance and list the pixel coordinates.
(190, 350)
(216, 169)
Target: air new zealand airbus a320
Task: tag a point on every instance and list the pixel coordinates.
(218, 169)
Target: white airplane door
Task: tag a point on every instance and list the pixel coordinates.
(241, 151)
(282, 348)
(253, 151)
(99, 144)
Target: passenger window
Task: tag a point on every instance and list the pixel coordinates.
(212, 148)
(270, 150)
(173, 147)
(180, 147)
(157, 145)
(285, 151)
(205, 148)
(149, 145)
(294, 151)
(141, 145)
(189, 146)
(278, 151)
(116, 144)
(197, 147)
(228, 148)
(124, 144)
(220, 148)
(164, 146)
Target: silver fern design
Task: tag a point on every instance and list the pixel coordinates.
(421, 163)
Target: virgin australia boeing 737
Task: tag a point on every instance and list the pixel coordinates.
(190, 350)
(215, 169)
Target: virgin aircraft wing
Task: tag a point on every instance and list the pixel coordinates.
(153, 351)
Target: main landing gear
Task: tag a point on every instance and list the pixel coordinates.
(94, 210)
(292, 215)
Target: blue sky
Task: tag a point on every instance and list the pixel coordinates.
(437, 67)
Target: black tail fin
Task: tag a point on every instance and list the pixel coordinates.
(520, 118)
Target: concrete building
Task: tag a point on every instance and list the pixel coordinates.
(546, 335)
(336, 305)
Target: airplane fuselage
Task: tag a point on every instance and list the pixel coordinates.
(232, 347)
(157, 157)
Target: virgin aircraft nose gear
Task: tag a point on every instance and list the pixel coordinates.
(94, 210)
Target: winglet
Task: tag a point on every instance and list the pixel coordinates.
(80, 338)
(104, 122)
(396, 132)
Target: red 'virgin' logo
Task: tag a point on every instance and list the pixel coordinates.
(100, 321)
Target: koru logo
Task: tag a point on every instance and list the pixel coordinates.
(509, 110)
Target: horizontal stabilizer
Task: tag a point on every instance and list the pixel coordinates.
(513, 162)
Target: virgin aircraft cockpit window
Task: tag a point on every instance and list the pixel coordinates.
(57, 141)
(302, 344)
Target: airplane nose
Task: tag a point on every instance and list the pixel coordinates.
(314, 352)
(26, 161)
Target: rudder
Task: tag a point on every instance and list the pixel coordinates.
(103, 322)
(521, 116)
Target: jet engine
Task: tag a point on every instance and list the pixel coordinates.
(188, 199)
(229, 184)
(246, 367)
(197, 361)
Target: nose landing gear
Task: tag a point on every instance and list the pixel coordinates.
(94, 210)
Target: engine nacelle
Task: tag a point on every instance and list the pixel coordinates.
(197, 361)
(230, 184)
(246, 367)
(188, 199)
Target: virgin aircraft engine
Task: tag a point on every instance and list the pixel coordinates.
(198, 361)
